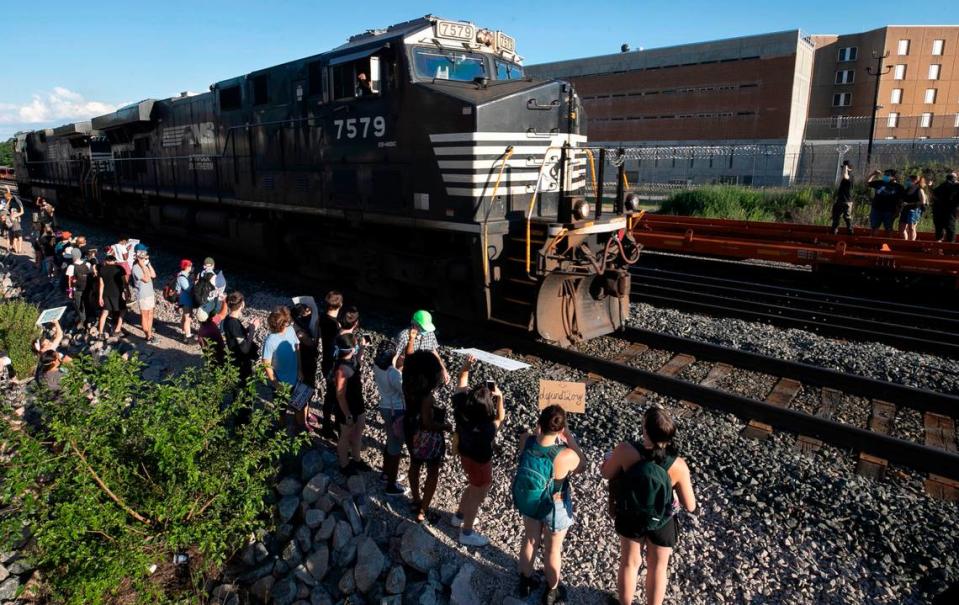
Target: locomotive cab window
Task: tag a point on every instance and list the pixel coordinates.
(442, 64)
(261, 91)
(509, 71)
(360, 78)
(230, 98)
(315, 79)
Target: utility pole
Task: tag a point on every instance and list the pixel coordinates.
(878, 73)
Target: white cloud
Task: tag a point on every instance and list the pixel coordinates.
(57, 106)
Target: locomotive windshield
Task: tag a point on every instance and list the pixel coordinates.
(440, 64)
(508, 71)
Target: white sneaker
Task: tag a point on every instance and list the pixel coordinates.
(456, 520)
(474, 539)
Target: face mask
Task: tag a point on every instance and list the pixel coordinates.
(885, 178)
(208, 267)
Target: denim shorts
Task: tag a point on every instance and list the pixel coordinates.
(561, 518)
(881, 217)
(393, 425)
(910, 216)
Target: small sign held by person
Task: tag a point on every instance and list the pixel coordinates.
(571, 396)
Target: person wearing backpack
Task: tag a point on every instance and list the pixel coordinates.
(644, 475)
(479, 413)
(541, 493)
(184, 291)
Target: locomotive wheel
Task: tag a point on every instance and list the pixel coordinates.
(574, 308)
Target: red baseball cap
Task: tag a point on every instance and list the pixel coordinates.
(185, 263)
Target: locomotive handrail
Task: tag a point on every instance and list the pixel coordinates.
(499, 177)
(532, 201)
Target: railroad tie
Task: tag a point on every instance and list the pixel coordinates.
(781, 395)
(881, 420)
(628, 354)
(716, 373)
(940, 432)
(828, 402)
(676, 364)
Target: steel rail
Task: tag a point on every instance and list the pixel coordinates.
(922, 400)
(736, 308)
(899, 451)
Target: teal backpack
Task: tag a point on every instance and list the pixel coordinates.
(533, 485)
(643, 496)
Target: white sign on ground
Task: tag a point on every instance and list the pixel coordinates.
(499, 361)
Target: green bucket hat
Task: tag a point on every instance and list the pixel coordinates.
(424, 320)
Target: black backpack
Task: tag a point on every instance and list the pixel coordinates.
(202, 291)
(642, 496)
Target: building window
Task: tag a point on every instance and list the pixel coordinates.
(892, 120)
(934, 70)
(845, 76)
(896, 97)
(899, 72)
(956, 123)
(937, 47)
(842, 99)
(848, 54)
(930, 96)
(925, 120)
(903, 48)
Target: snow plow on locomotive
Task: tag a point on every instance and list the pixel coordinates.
(415, 161)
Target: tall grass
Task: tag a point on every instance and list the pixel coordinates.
(17, 332)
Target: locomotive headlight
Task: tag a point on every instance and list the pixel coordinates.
(580, 209)
(631, 203)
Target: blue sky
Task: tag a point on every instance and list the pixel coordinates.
(69, 60)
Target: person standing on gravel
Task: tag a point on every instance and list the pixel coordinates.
(143, 275)
(842, 208)
(945, 200)
(110, 296)
(388, 376)
(239, 337)
(329, 330)
(915, 201)
(644, 475)
(541, 492)
(424, 426)
(424, 338)
(280, 356)
(886, 200)
(350, 410)
(184, 291)
(479, 413)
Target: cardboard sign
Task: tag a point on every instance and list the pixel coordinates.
(571, 396)
(51, 315)
(510, 365)
(302, 394)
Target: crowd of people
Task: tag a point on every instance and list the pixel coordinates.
(906, 202)
(316, 354)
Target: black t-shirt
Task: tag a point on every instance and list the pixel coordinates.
(476, 435)
(844, 193)
(329, 328)
(888, 196)
(239, 339)
(946, 198)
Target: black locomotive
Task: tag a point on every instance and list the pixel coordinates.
(416, 160)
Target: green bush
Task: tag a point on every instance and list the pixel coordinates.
(18, 330)
(748, 204)
(124, 473)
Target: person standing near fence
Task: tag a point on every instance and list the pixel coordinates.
(915, 200)
(945, 200)
(842, 208)
(886, 200)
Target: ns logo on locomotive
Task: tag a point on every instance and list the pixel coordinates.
(416, 161)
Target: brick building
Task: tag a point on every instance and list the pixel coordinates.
(741, 109)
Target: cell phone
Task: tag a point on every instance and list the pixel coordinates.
(491, 385)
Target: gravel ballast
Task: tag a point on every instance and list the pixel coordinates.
(773, 526)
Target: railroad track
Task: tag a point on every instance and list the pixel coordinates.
(915, 327)
(875, 448)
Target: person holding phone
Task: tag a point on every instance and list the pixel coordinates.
(478, 413)
(143, 275)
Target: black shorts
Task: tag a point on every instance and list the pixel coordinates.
(355, 411)
(666, 536)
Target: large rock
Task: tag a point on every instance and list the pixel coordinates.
(346, 555)
(291, 554)
(256, 573)
(8, 588)
(421, 593)
(225, 594)
(302, 574)
(353, 516)
(319, 596)
(419, 549)
(326, 530)
(341, 535)
(314, 517)
(325, 503)
(311, 465)
(287, 507)
(356, 485)
(284, 591)
(370, 563)
(261, 588)
(395, 580)
(316, 487)
(318, 563)
(4, 574)
(289, 486)
(347, 583)
(304, 538)
(462, 592)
